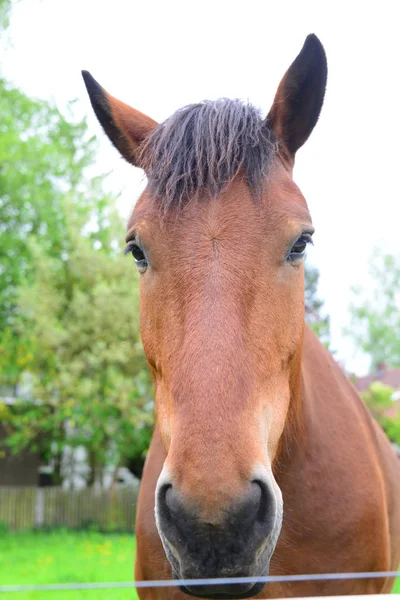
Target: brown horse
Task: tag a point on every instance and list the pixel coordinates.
(264, 459)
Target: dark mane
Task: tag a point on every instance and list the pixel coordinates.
(202, 147)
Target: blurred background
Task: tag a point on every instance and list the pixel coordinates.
(76, 406)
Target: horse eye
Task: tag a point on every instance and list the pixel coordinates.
(138, 255)
(298, 250)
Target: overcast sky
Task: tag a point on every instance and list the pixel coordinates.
(159, 56)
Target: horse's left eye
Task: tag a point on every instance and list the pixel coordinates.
(298, 250)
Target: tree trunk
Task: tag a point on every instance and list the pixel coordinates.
(92, 466)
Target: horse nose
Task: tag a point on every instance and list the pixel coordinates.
(177, 512)
(231, 544)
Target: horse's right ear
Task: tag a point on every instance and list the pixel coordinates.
(299, 98)
(126, 127)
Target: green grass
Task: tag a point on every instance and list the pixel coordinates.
(69, 557)
(66, 557)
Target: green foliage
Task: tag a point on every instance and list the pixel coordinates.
(375, 320)
(379, 399)
(43, 157)
(80, 313)
(5, 6)
(313, 306)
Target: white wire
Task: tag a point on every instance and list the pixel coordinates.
(194, 582)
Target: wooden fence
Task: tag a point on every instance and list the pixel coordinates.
(26, 508)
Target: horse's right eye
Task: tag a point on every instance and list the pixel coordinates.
(139, 256)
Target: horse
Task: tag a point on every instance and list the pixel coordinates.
(264, 459)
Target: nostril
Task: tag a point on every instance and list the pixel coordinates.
(265, 500)
(164, 501)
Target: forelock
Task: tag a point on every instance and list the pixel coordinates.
(201, 148)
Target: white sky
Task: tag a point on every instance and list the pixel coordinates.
(159, 56)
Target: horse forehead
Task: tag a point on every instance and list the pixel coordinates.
(234, 212)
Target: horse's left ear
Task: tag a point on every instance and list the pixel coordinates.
(299, 98)
(126, 127)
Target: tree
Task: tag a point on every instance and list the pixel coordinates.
(43, 161)
(375, 317)
(313, 305)
(43, 157)
(88, 368)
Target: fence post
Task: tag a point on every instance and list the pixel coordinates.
(39, 507)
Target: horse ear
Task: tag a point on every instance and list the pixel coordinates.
(126, 127)
(298, 100)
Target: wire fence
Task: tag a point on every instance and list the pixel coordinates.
(194, 582)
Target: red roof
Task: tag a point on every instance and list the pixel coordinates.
(390, 377)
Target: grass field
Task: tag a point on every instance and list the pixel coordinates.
(69, 557)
